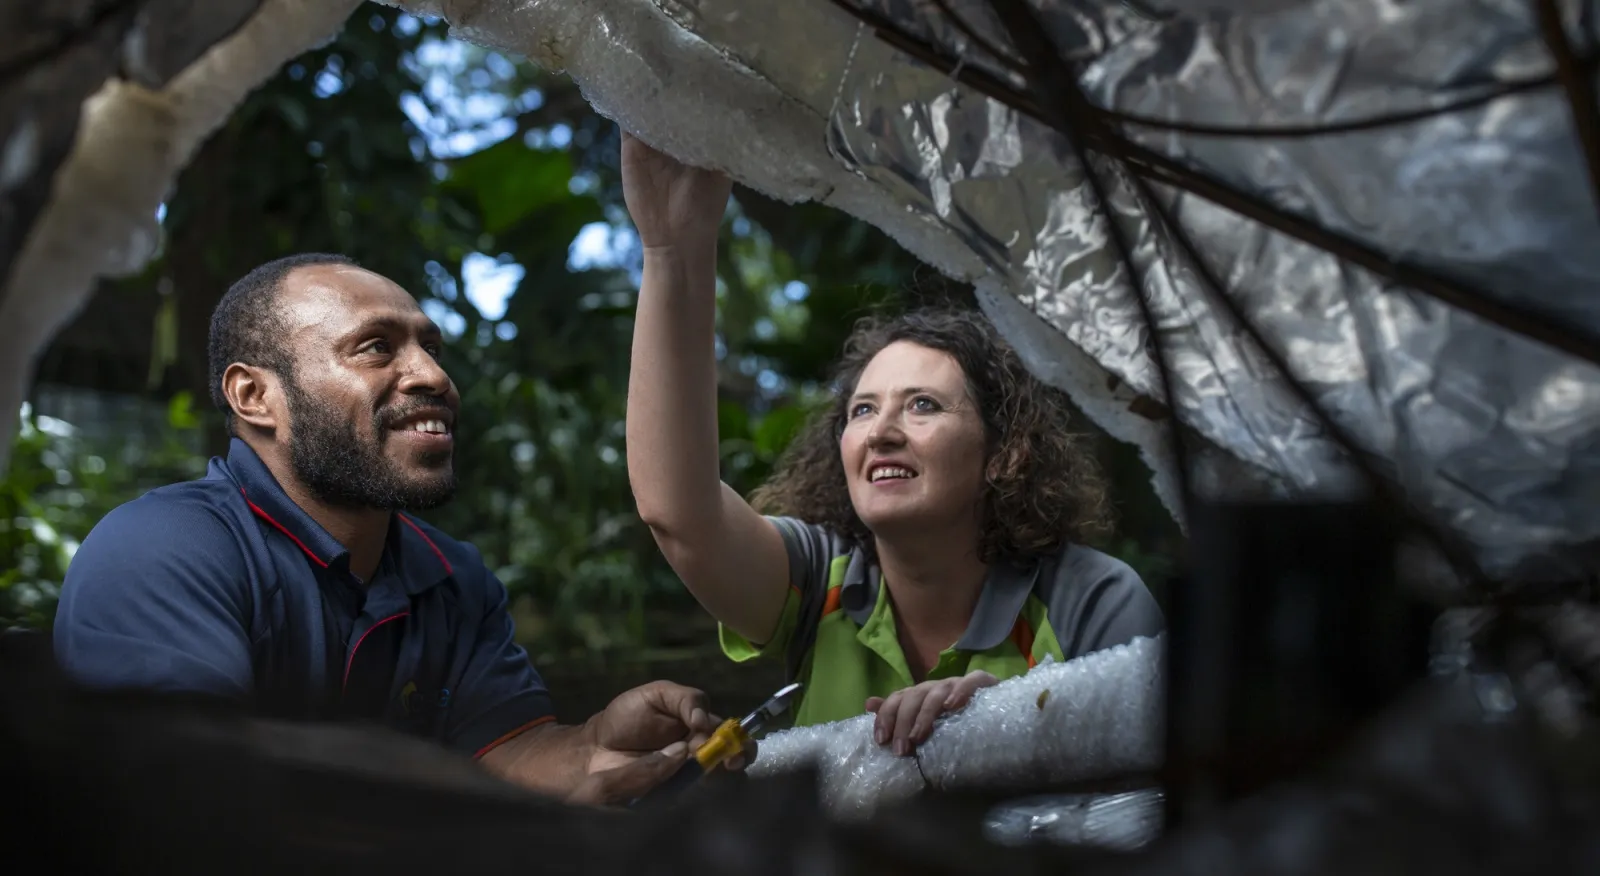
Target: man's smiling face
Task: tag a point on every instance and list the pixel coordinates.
(371, 414)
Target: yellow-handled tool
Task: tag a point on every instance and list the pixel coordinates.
(727, 740)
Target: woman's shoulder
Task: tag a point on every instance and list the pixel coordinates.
(1094, 600)
(812, 547)
(1081, 563)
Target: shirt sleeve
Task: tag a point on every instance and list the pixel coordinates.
(158, 598)
(500, 694)
(1099, 602)
(811, 549)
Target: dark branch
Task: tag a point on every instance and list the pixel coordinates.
(1578, 85)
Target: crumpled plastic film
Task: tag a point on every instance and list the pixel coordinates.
(1496, 436)
(1436, 393)
(1123, 822)
(1093, 717)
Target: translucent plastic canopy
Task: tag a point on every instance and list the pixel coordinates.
(1394, 198)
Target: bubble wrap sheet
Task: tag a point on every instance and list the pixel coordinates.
(1494, 435)
(1097, 716)
(1123, 822)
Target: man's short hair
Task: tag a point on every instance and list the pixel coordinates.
(247, 327)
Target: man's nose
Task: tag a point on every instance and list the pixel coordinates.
(423, 375)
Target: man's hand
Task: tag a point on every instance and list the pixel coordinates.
(631, 780)
(641, 739)
(673, 205)
(906, 717)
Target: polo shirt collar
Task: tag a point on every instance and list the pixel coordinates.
(1005, 592)
(415, 558)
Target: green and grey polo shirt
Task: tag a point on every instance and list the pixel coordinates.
(837, 630)
(837, 633)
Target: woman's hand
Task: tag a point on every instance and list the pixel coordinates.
(905, 717)
(672, 204)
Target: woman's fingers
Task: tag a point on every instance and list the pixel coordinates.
(905, 718)
(933, 705)
(966, 686)
(888, 708)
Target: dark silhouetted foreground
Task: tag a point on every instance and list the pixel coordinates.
(136, 785)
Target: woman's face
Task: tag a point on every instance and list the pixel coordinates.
(913, 443)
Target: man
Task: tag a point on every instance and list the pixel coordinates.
(290, 576)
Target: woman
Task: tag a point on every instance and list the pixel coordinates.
(928, 539)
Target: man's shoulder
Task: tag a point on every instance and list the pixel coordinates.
(192, 512)
(181, 538)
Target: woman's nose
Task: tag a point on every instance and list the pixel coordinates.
(885, 431)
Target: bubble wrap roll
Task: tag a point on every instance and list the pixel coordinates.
(1097, 715)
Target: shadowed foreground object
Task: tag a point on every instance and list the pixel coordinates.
(133, 785)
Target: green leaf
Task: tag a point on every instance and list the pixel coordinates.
(778, 428)
(180, 412)
(732, 421)
(293, 113)
(509, 180)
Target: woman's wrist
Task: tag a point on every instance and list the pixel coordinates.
(685, 251)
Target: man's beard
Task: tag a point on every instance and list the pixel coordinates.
(343, 468)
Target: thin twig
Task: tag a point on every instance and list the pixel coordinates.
(1578, 85)
(1508, 88)
(1004, 58)
(1577, 341)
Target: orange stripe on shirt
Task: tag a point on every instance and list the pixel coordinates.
(831, 603)
(1022, 635)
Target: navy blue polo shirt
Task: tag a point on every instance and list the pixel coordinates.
(224, 586)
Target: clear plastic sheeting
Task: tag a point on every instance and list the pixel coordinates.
(1494, 435)
(1087, 719)
(1121, 822)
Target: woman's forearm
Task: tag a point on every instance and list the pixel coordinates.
(673, 461)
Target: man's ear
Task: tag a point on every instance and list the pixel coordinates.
(254, 394)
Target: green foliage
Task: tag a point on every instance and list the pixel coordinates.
(60, 484)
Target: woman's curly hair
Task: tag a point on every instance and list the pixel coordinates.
(1043, 487)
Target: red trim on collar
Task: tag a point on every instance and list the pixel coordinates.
(436, 552)
(351, 660)
(256, 509)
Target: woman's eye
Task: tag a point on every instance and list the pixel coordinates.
(859, 410)
(924, 405)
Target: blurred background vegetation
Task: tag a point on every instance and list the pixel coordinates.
(491, 190)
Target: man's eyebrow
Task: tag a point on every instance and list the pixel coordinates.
(394, 324)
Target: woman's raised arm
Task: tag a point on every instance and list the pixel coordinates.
(732, 559)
